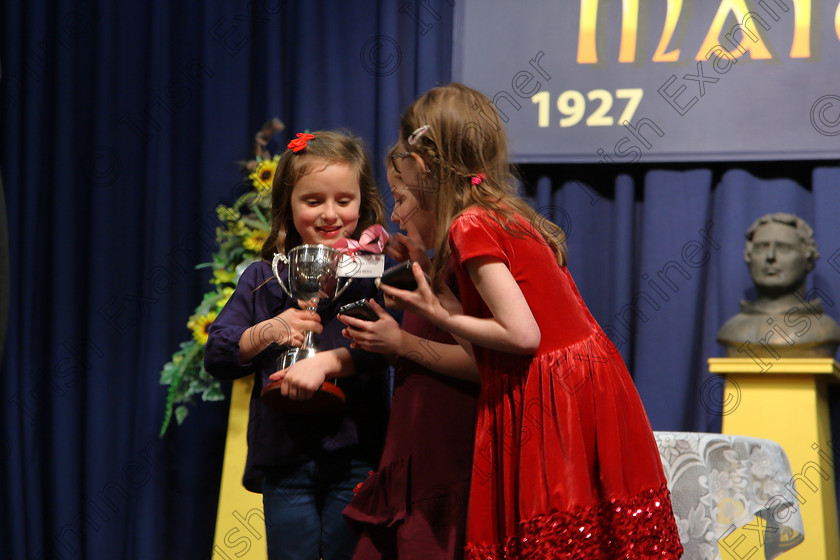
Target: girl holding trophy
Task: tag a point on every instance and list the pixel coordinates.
(564, 463)
(307, 466)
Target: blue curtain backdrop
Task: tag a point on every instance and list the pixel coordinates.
(657, 253)
(122, 123)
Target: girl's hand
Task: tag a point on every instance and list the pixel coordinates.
(286, 329)
(421, 301)
(292, 324)
(383, 336)
(403, 248)
(301, 379)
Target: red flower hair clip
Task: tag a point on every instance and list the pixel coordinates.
(299, 143)
(477, 179)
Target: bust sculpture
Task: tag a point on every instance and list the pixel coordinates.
(780, 252)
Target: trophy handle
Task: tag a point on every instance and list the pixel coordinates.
(340, 290)
(280, 257)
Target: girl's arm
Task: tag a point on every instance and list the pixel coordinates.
(512, 327)
(411, 246)
(451, 360)
(286, 329)
(234, 340)
(386, 337)
(303, 378)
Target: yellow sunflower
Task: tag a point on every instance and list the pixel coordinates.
(263, 175)
(199, 325)
(253, 239)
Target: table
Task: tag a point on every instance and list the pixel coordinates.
(786, 400)
(731, 495)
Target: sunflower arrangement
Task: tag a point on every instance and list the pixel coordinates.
(243, 230)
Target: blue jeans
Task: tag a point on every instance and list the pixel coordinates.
(303, 506)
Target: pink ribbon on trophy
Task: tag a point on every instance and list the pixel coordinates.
(372, 240)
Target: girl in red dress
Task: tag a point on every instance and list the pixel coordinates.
(565, 464)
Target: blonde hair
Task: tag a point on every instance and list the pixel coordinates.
(330, 147)
(465, 138)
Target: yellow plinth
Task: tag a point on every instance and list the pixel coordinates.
(786, 401)
(240, 523)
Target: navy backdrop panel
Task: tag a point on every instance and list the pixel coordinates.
(657, 253)
(122, 123)
(703, 80)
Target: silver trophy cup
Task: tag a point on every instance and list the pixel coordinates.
(312, 278)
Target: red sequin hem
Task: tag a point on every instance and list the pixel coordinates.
(639, 527)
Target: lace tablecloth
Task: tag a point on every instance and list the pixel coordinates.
(720, 483)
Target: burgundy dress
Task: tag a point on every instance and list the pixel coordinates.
(415, 505)
(565, 463)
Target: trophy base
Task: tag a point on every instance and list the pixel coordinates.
(328, 399)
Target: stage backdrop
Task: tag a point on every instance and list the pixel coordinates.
(121, 126)
(682, 80)
(122, 123)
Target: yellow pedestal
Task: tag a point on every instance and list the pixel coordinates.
(240, 523)
(787, 403)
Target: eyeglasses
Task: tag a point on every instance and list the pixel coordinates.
(398, 156)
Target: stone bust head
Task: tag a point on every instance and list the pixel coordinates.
(780, 253)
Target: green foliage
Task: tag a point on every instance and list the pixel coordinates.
(240, 237)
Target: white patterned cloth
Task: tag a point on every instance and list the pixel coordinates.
(721, 482)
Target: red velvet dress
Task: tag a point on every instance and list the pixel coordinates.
(414, 507)
(565, 464)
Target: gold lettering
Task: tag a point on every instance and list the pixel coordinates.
(757, 48)
(801, 47)
(837, 21)
(672, 16)
(629, 30)
(587, 41)
(741, 38)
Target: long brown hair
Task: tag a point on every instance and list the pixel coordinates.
(326, 147)
(465, 138)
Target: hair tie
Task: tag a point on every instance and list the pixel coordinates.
(477, 179)
(299, 143)
(417, 134)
